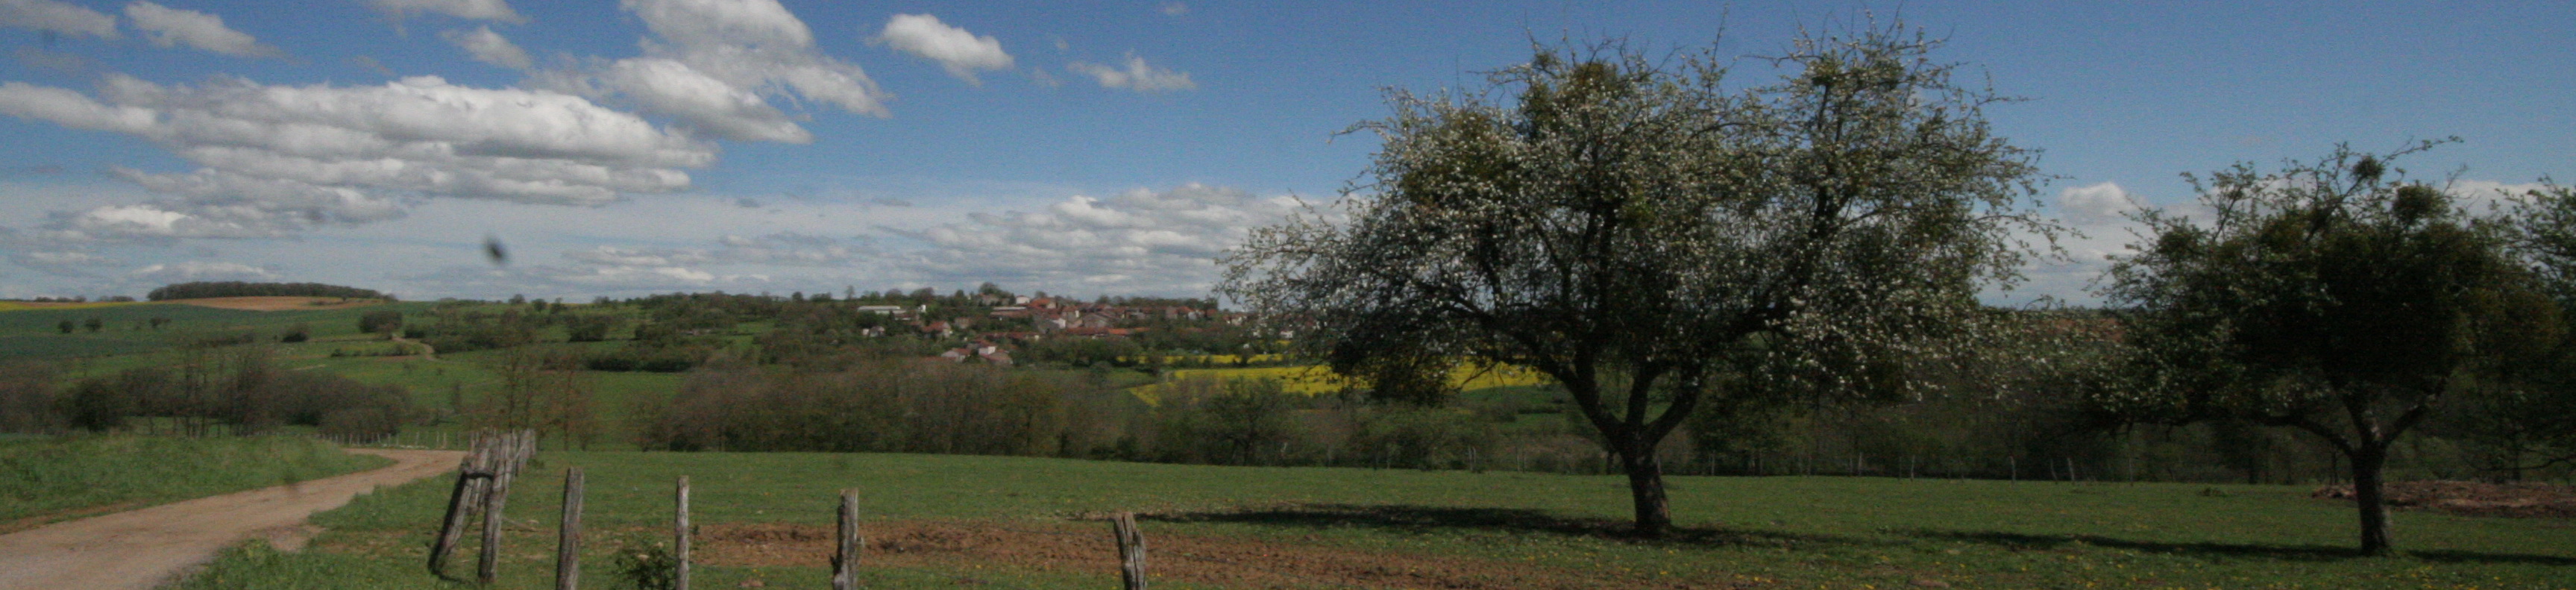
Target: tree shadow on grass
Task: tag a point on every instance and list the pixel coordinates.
(2310, 553)
(1439, 519)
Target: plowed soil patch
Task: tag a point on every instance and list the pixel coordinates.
(277, 303)
(2469, 498)
(1086, 548)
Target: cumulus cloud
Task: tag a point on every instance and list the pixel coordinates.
(181, 272)
(1141, 240)
(672, 88)
(2095, 204)
(72, 109)
(274, 159)
(489, 47)
(170, 27)
(960, 52)
(498, 10)
(1135, 75)
(714, 65)
(58, 17)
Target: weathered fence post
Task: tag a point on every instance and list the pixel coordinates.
(680, 541)
(568, 540)
(515, 448)
(472, 475)
(1131, 551)
(845, 562)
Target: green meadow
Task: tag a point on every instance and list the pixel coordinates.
(1005, 522)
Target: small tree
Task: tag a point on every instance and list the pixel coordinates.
(384, 321)
(2333, 297)
(66, 326)
(1642, 235)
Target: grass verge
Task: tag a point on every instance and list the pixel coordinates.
(54, 479)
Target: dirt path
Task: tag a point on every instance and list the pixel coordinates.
(143, 548)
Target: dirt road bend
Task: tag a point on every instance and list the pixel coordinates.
(143, 548)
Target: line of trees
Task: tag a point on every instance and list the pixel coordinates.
(238, 390)
(207, 289)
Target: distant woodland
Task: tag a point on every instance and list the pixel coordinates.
(206, 289)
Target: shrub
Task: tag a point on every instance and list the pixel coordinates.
(380, 321)
(647, 565)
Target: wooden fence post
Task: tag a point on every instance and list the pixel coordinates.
(472, 475)
(568, 540)
(845, 562)
(1131, 551)
(680, 542)
(515, 450)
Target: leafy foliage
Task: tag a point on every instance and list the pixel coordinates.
(1640, 233)
(2332, 296)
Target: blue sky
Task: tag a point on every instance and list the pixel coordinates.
(1085, 148)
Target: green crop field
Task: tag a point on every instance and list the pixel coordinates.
(1001, 522)
(49, 479)
(34, 332)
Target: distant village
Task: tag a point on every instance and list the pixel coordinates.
(1028, 319)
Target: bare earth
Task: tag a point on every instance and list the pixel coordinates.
(144, 548)
(276, 303)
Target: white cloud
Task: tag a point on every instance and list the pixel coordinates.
(72, 109)
(180, 272)
(1136, 75)
(59, 17)
(498, 10)
(489, 47)
(672, 88)
(960, 52)
(714, 65)
(276, 159)
(755, 44)
(2095, 204)
(169, 27)
(1141, 240)
(1174, 9)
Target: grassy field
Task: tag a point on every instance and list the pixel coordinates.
(33, 332)
(952, 521)
(50, 479)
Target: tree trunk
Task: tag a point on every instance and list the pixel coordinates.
(1646, 489)
(2369, 495)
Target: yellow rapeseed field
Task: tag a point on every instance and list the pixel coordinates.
(1318, 379)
